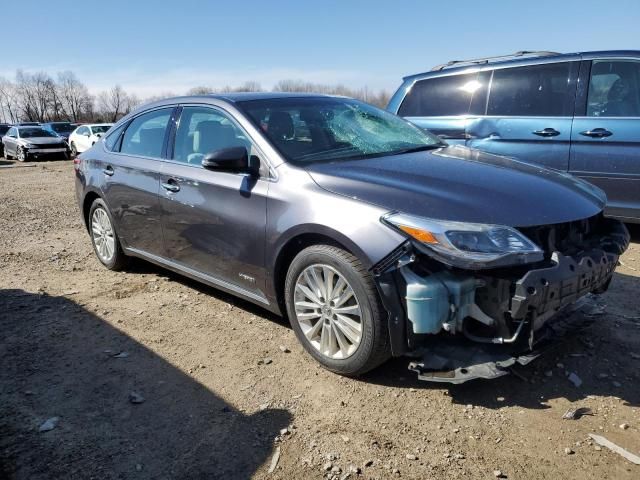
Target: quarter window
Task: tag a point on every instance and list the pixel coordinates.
(441, 96)
(112, 142)
(202, 130)
(536, 90)
(145, 134)
(614, 89)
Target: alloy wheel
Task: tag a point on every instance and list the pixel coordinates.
(102, 235)
(328, 311)
(20, 154)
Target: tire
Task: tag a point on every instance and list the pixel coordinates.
(21, 156)
(372, 347)
(74, 150)
(115, 259)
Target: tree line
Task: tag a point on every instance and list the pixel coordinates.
(40, 97)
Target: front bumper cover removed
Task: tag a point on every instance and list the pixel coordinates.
(552, 301)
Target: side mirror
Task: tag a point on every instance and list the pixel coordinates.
(232, 159)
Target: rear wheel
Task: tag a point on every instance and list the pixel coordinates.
(335, 311)
(104, 238)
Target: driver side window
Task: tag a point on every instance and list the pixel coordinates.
(202, 130)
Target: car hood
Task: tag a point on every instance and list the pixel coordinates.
(42, 140)
(461, 184)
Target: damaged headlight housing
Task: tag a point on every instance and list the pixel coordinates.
(467, 245)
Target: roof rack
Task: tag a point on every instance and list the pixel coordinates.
(521, 53)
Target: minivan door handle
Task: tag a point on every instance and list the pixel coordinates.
(597, 133)
(108, 171)
(547, 132)
(171, 186)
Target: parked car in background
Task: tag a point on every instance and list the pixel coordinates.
(85, 136)
(4, 128)
(30, 143)
(374, 237)
(62, 129)
(578, 113)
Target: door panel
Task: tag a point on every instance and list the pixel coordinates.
(610, 162)
(515, 137)
(529, 113)
(132, 181)
(213, 222)
(605, 141)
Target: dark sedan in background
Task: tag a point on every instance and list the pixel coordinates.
(374, 237)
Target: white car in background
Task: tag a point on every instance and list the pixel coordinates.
(83, 137)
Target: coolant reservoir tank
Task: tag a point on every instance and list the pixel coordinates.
(427, 302)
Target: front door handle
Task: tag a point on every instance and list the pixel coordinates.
(547, 132)
(171, 186)
(597, 133)
(108, 171)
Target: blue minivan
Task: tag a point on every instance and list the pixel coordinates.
(578, 113)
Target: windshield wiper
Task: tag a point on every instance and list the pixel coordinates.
(421, 148)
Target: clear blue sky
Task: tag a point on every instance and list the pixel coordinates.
(159, 46)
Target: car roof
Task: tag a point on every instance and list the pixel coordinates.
(518, 58)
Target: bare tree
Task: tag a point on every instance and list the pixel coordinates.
(8, 109)
(73, 95)
(113, 104)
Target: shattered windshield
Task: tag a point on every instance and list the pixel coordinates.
(311, 129)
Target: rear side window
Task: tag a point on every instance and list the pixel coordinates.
(614, 89)
(440, 96)
(145, 134)
(536, 90)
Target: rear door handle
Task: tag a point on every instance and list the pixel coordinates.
(597, 133)
(171, 186)
(547, 132)
(108, 171)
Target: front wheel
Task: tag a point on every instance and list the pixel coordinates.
(104, 238)
(335, 311)
(21, 155)
(74, 150)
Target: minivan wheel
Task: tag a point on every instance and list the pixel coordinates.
(104, 237)
(335, 311)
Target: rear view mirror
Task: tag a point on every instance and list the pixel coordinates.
(232, 159)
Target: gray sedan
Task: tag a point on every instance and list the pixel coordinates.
(32, 142)
(373, 237)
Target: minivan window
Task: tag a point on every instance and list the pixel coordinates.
(440, 96)
(145, 134)
(202, 130)
(614, 89)
(532, 91)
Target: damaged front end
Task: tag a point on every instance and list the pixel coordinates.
(475, 319)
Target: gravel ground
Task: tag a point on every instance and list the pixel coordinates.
(151, 375)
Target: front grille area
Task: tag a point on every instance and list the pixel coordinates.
(46, 146)
(571, 238)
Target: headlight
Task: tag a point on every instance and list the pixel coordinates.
(467, 245)
(29, 145)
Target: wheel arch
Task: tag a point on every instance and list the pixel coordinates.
(89, 198)
(297, 240)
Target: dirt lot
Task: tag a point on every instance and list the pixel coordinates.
(77, 340)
